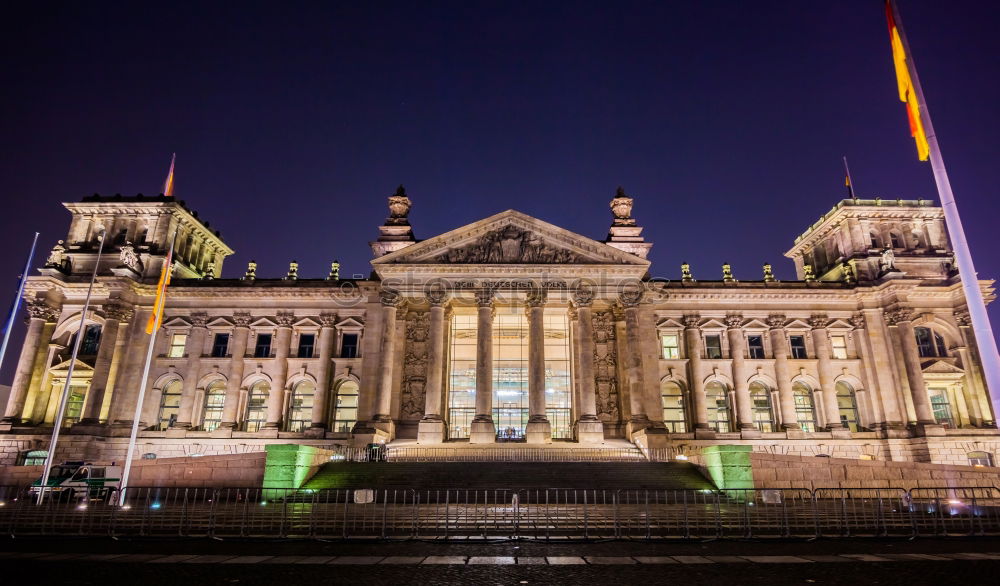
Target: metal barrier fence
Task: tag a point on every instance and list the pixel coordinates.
(509, 513)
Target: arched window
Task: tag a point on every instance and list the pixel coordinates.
(763, 415)
(345, 408)
(717, 405)
(299, 415)
(215, 399)
(805, 406)
(256, 414)
(91, 341)
(980, 459)
(170, 404)
(876, 242)
(895, 240)
(941, 406)
(847, 406)
(929, 343)
(674, 413)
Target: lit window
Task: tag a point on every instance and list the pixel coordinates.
(671, 347)
(256, 413)
(177, 343)
(941, 407)
(717, 405)
(215, 400)
(170, 404)
(300, 406)
(798, 346)
(805, 408)
(847, 407)
(673, 407)
(263, 347)
(980, 459)
(755, 345)
(713, 347)
(839, 344)
(345, 412)
(763, 416)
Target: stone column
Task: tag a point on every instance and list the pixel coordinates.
(321, 400)
(589, 428)
(483, 429)
(786, 397)
(195, 346)
(238, 350)
(901, 319)
(872, 340)
(978, 398)
(539, 429)
(37, 337)
(633, 362)
(692, 345)
(741, 391)
(282, 341)
(431, 428)
(821, 347)
(382, 419)
(114, 314)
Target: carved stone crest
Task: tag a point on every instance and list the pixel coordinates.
(399, 207)
(130, 258)
(57, 258)
(621, 208)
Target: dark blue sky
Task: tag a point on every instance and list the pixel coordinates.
(292, 121)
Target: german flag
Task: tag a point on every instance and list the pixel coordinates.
(907, 91)
(168, 185)
(156, 319)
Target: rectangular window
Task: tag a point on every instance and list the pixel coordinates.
(462, 375)
(349, 346)
(307, 343)
(671, 346)
(798, 346)
(941, 407)
(262, 349)
(220, 346)
(177, 343)
(91, 340)
(755, 345)
(839, 344)
(713, 347)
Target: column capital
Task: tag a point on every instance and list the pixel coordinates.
(484, 297)
(536, 297)
(583, 296)
(38, 309)
(117, 312)
(391, 299)
(242, 319)
(733, 321)
(692, 321)
(630, 298)
(776, 321)
(327, 320)
(858, 321)
(818, 321)
(437, 297)
(285, 319)
(199, 319)
(962, 317)
(897, 316)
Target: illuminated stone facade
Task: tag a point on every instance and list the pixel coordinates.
(509, 329)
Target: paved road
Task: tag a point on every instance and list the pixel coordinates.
(155, 562)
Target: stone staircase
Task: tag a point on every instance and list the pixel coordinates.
(509, 475)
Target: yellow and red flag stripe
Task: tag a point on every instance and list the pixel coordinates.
(156, 319)
(168, 185)
(907, 91)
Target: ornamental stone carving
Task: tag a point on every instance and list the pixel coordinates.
(630, 296)
(436, 294)
(38, 309)
(285, 319)
(198, 319)
(888, 262)
(415, 365)
(896, 316)
(328, 320)
(776, 321)
(536, 297)
(57, 258)
(621, 208)
(242, 319)
(962, 318)
(117, 312)
(605, 366)
(733, 321)
(858, 321)
(583, 295)
(691, 321)
(484, 297)
(510, 245)
(399, 207)
(390, 298)
(130, 258)
(818, 321)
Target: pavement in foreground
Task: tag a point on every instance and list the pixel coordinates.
(163, 561)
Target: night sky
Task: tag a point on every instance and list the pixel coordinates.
(292, 121)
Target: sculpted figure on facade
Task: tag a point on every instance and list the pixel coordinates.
(415, 365)
(510, 245)
(888, 262)
(130, 259)
(605, 366)
(57, 258)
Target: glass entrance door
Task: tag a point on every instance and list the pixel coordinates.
(511, 421)
(510, 374)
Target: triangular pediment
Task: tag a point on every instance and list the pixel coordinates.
(942, 367)
(510, 238)
(350, 323)
(177, 322)
(264, 322)
(307, 322)
(78, 368)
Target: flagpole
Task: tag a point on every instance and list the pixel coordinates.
(157, 317)
(17, 300)
(850, 180)
(57, 425)
(981, 327)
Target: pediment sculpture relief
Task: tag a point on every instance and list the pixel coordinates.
(510, 245)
